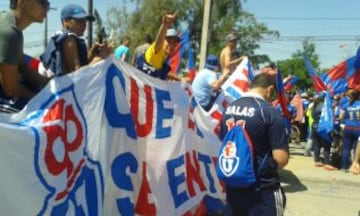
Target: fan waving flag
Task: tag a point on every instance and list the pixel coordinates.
(319, 84)
(181, 50)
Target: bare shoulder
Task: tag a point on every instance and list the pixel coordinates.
(70, 43)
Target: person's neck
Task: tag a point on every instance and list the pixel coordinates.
(229, 47)
(22, 21)
(259, 91)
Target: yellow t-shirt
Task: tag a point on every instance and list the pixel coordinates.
(155, 59)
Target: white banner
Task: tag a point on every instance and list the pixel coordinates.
(109, 140)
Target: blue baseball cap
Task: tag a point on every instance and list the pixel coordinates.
(212, 63)
(76, 12)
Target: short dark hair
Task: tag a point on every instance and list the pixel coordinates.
(13, 4)
(263, 80)
(148, 39)
(124, 38)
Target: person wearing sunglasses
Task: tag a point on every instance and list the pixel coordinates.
(18, 83)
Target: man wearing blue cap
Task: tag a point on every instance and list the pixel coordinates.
(67, 50)
(18, 82)
(206, 85)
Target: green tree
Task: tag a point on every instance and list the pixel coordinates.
(227, 16)
(295, 65)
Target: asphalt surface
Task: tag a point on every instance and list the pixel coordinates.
(314, 191)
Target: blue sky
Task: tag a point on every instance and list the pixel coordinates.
(335, 27)
(34, 34)
(336, 34)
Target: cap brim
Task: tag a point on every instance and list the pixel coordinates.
(84, 16)
(212, 67)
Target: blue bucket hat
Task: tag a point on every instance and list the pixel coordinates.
(76, 12)
(212, 63)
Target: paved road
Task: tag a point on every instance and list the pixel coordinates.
(313, 191)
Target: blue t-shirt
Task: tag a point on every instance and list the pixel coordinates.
(121, 50)
(265, 127)
(201, 86)
(352, 114)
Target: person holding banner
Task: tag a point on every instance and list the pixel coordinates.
(67, 50)
(206, 85)
(350, 118)
(267, 132)
(18, 82)
(227, 61)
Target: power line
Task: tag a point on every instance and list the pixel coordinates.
(310, 18)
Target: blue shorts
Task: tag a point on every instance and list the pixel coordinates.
(252, 202)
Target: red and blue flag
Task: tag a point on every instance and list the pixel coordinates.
(182, 51)
(32, 62)
(281, 95)
(326, 122)
(290, 82)
(319, 84)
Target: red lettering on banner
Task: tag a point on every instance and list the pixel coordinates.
(58, 112)
(193, 174)
(217, 115)
(143, 206)
(145, 128)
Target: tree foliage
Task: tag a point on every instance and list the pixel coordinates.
(227, 16)
(295, 65)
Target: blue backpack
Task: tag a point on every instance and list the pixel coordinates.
(236, 159)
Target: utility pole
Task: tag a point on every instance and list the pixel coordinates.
(90, 24)
(46, 32)
(46, 28)
(205, 33)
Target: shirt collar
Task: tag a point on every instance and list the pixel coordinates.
(253, 94)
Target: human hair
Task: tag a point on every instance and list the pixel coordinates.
(353, 95)
(148, 39)
(263, 80)
(13, 4)
(125, 38)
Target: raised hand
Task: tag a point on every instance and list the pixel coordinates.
(169, 19)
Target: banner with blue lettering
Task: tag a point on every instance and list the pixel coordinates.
(109, 140)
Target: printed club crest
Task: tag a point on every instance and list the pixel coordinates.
(228, 160)
(73, 179)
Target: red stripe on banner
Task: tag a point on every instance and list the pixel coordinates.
(243, 85)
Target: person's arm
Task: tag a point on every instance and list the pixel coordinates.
(218, 83)
(10, 82)
(281, 156)
(123, 57)
(71, 55)
(228, 62)
(167, 21)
